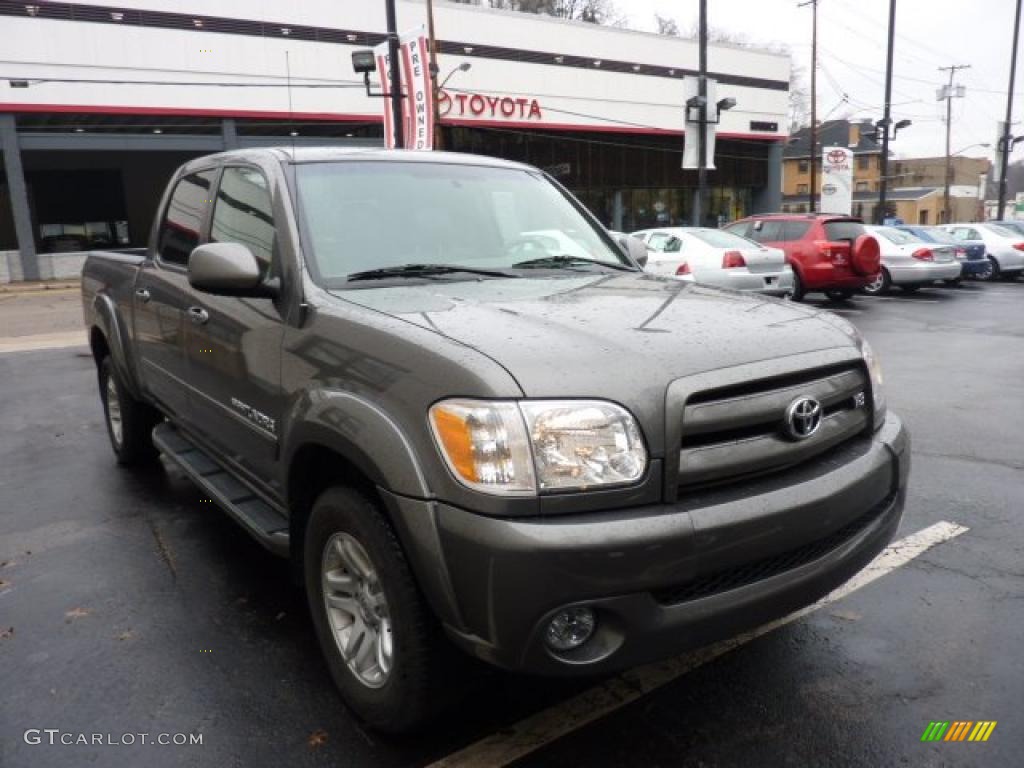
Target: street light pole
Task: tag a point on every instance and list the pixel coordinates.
(886, 119)
(395, 74)
(952, 69)
(435, 91)
(812, 189)
(1005, 139)
(702, 124)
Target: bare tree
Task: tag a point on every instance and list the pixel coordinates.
(595, 11)
(666, 25)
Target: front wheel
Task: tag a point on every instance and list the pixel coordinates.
(798, 288)
(129, 422)
(383, 647)
(985, 273)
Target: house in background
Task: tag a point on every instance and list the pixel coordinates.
(916, 185)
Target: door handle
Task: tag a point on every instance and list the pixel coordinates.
(142, 295)
(198, 315)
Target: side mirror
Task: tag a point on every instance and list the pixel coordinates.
(228, 269)
(635, 247)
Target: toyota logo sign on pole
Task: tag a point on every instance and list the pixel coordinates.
(837, 181)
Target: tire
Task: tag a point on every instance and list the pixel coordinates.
(986, 274)
(881, 284)
(954, 283)
(798, 288)
(347, 533)
(996, 270)
(839, 294)
(910, 288)
(129, 422)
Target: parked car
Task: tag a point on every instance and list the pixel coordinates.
(717, 258)
(970, 253)
(910, 262)
(1004, 247)
(1014, 225)
(459, 434)
(828, 253)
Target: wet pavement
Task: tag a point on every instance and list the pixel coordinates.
(129, 605)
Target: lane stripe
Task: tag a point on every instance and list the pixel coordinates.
(544, 727)
(43, 341)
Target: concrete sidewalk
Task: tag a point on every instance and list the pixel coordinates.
(44, 315)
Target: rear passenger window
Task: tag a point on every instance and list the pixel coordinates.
(657, 241)
(244, 213)
(843, 230)
(179, 231)
(794, 230)
(768, 232)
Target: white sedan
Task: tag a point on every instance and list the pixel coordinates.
(717, 258)
(1003, 246)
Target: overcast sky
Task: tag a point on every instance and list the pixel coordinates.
(851, 50)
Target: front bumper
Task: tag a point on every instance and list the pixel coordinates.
(662, 578)
(925, 272)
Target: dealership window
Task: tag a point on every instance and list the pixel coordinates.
(801, 189)
(804, 166)
(183, 220)
(244, 213)
(862, 186)
(863, 162)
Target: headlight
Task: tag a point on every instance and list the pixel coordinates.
(877, 382)
(519, 448)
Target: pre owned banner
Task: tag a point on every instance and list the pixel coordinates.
(415, 51)
(837, 180)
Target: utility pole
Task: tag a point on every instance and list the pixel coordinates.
(702, 127)
(395, 74)
(435, 91)
(948, 93)
(883, 182)
(812, 189)
(1006, 140)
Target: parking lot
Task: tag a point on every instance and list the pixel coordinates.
(130, 605)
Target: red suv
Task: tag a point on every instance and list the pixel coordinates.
(829, 253)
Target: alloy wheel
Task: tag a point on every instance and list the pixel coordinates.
(114, 418)
(357, 610)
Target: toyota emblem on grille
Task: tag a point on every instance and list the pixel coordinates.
(803, 417)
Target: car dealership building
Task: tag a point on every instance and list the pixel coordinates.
(99, 103)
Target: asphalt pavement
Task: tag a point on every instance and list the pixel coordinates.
(130, 605)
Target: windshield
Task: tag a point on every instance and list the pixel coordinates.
(897, 236)
(718, 238)
(366, 216)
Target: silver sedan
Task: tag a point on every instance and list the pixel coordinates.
(717, 258)
(909, 262)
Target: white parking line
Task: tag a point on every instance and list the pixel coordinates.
(544, 727)
(43, 341)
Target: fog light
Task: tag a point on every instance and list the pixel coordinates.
(570, 629)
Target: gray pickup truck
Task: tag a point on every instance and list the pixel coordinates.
(469, 419)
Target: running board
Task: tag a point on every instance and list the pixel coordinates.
(266, 524)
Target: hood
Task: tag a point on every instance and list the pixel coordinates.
(623, 337)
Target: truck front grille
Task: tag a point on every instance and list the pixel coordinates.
(758, 570)
(739, 431)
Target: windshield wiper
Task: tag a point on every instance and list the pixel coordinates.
(564, 260)
(423, 270)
